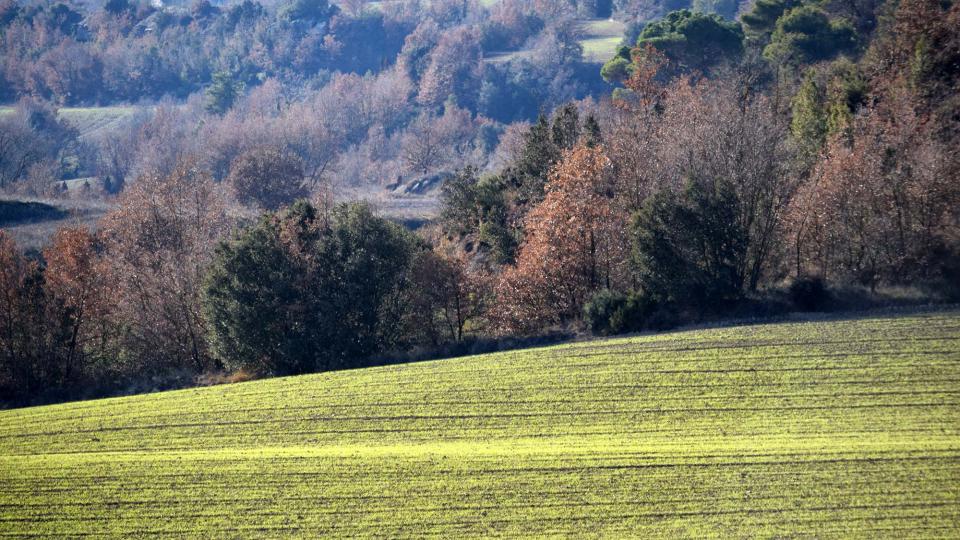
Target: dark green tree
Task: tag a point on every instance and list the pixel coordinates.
(809, 122)
(459, 210)
(495, 232)
(116, 7)
(618, 68)
(825, 105)
(542, 149)
(528, 174)
(473, 205)
(761, 20)
(301, 292)
(805, 35)
(64, 19)
(693, 40)
(565, 130)
(724, 8)
(688, 246)
(846, 93)
(222, 93)
(591, 132)
(309, 11)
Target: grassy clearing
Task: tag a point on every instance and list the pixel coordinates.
(603, 28)
(34, 234)
(90, 120)
(822, 429)
(601, 37)
(599, 50)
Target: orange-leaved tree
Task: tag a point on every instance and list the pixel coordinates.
(575, 244)
(77, 278)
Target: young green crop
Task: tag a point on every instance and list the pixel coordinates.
(824, 429)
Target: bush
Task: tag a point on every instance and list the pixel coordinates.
(611, 312)
(598, 311)
(635, 315)
(689, 248)
(809, 294)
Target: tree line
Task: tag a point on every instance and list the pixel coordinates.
(734, 163)
(392, 95)
(131, 51)
(691, 194)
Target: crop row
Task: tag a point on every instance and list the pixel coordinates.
(826, 429)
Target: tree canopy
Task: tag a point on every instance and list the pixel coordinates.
(806, 34)
(303, 291)
(694, 40)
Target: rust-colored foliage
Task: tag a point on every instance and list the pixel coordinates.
(40, 351)
(576, 243)
(709, 131)
(882, 203)
(77, 278)
(882, 207)
(919, 48)
(647, 63)
(159, 242)
(267, 176)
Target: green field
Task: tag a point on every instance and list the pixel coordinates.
(815, 429)
(601, 38)
(90, 120)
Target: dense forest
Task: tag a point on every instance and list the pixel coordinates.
(400, 93)
(727, 160)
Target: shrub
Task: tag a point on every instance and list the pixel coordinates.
(610, 312)
(809, 294)
(635, 314)
(303, 292)
(600, 308)
(689, 247)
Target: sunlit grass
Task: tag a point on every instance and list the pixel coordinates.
(824, 429)
(603, 28)
(89, 119)
(600, 49)
(601, 39)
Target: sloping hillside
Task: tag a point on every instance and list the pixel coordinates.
(90, 120)
(819, 429)
(601, 37)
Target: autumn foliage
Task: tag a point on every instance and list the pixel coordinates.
(576, 243)
(51, 322)
(756, 184)
(158, 243)
(881, 208)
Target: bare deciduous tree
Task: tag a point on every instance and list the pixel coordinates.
(268, 177)
(158, 243)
